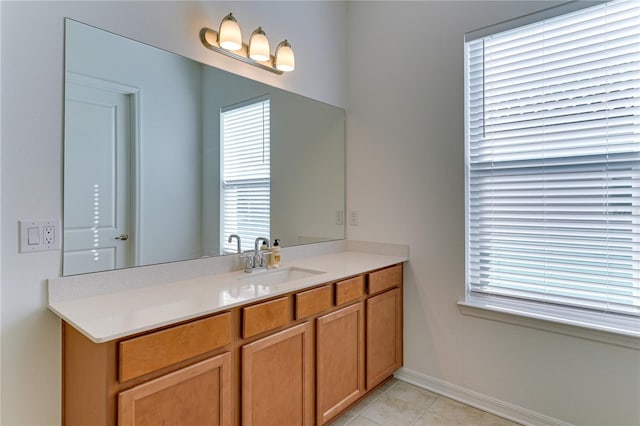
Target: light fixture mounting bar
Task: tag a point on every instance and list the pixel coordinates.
(209, 39)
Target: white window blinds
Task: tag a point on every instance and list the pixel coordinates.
(553, 161)
(245, 194)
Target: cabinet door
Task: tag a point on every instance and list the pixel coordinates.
(195, 395)
(339, 360)
(384, 336)
(277, 379)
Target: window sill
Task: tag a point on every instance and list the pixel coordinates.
(572, 323)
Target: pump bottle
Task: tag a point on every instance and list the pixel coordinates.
(275, 254)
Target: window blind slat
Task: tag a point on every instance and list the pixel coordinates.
(553, 161)
(245, 191)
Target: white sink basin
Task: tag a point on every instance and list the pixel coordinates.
(278, 276)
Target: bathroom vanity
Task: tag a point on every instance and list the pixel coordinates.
(298, 349)
(193, 343)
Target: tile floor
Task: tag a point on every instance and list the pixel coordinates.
(397, 403)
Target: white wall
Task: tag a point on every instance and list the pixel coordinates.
(405, 174)
(31, 170)
(307, 162)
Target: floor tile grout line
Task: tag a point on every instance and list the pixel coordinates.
(371, 402)
(382, 392)
(394, 382)
(420, 414)
(428, 408)
(388, 393)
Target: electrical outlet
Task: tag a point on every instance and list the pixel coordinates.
(39, 235)
(355, 218)
(49, 235)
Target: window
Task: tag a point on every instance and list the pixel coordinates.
(553, 165)
(245, 194)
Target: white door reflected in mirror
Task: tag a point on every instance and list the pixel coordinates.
(97, 178)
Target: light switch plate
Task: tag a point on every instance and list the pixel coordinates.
(45, 235)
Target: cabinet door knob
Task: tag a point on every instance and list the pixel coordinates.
(123, 237)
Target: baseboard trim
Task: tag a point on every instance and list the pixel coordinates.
(476, 399)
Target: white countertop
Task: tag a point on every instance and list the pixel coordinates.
(112, 315)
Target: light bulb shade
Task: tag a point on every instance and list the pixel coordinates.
(229, 36)
(259, 46)
(285, 60)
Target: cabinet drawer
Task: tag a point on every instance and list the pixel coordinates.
(349, 290)
(265, 316)
(144, 354)
(313, 301)
(384, 279)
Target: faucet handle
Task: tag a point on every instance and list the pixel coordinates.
(258, 259)
(263, 259)
(248, 261)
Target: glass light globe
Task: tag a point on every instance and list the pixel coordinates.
(230, 36)
(285, 59)
(259, 46)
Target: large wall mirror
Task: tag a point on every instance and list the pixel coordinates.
(165, 158)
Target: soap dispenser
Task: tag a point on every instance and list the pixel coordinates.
(264, 248)
(275, 254)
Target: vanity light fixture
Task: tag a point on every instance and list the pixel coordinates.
(228, 41)
(229, 35)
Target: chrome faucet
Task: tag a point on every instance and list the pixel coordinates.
(256, 260)
(257, 244)
(237, 237)
(259, 261)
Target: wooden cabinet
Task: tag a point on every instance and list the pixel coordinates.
(313, 302)
(180, 372)
(385, 279)
(349, 290)
(150, 352)
(300, 358)
(265, 316)
(277, 379)
(339, 361)
(384, 336)
(195, 395)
